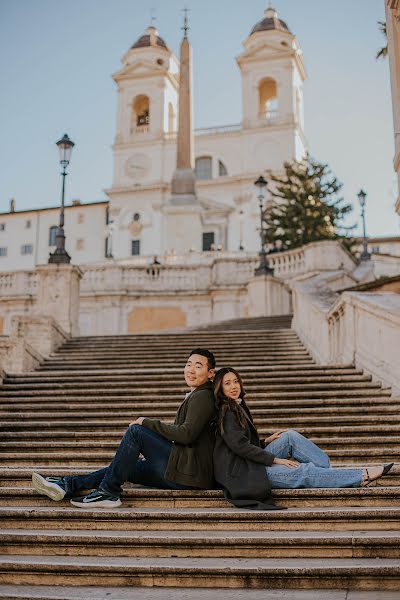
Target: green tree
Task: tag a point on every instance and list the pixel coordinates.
(382, 52)
(305, 205)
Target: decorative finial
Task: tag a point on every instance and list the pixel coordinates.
(185, 27)
(153, 17)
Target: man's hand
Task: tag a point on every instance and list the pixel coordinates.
(292, 464)
(138, 421)
(274, 436)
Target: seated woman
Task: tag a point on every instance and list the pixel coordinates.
(248, 468)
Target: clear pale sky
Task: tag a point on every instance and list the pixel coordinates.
(56, 61)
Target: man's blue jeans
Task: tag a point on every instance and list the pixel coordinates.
(126, 465)
(313, 472)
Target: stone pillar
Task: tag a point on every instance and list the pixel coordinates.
(268, 296)
(58, 295)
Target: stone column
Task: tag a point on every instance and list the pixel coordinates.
(58, 295)
(268, 296)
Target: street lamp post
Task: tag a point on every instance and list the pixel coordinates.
(263, 268)
(362, 196)
(60, 255)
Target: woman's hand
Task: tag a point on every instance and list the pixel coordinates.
(292, 464)
(274, 436)
(138, 421)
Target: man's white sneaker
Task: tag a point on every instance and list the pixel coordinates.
(52, 487)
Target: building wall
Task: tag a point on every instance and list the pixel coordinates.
(85, 230)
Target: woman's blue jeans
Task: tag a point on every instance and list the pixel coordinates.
(126, 465)
(313, 472)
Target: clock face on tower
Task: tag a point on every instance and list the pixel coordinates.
(137, 166)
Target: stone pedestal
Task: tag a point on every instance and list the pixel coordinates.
(268, 296)
(58, 295)
(183, 228)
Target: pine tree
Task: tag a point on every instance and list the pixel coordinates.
(305, 205)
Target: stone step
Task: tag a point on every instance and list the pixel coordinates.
(328, 426)
(31, 439)
(204, 544)
(11, 383)
(97, 410)
(65, 592)
(382, 495)
(357, 573)
(219, 519)
(178, 392)
(21, 477)
(176, 384)
(253, 371)
(101, 366)
(96, 458)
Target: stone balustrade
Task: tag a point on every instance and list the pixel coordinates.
(349, 328)
(385, 265)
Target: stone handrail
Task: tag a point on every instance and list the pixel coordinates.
(385, 265)
(353, 328)
(18, 283)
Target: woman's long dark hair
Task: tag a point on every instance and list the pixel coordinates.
(223, 404)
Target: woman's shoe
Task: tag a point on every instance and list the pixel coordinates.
(375, 476)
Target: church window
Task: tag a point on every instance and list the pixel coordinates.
(268, 98)
(208, 241)
(222, 170)
(141, 113)
(3, 251)
(27, 249)
(52, 235)
(135, 247)
(136, 217)
(204, 167)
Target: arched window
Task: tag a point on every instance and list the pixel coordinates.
(171, 118)
(141, 113)
(222, 170)
(268, 98)
(52, 235)
(204, 167)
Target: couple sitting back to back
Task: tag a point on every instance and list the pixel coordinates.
(213, 442)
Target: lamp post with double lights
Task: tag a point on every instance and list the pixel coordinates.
(60, 255)
(362, 196)
(263, 268)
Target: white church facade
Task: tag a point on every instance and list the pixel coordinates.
(132, 224)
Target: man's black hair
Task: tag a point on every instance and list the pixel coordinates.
(209, 356)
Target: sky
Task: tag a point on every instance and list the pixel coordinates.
(56, 61)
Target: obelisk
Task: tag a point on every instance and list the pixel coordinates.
(182, 212)
(183, 185)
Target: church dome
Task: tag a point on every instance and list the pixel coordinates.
(270, 22)
(150, 38)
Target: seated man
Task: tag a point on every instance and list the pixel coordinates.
(178, 456)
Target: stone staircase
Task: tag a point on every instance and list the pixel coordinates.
(68, 416)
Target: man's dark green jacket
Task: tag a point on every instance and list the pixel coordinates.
(193, 437)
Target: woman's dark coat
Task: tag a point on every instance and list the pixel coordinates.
(239, 464)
